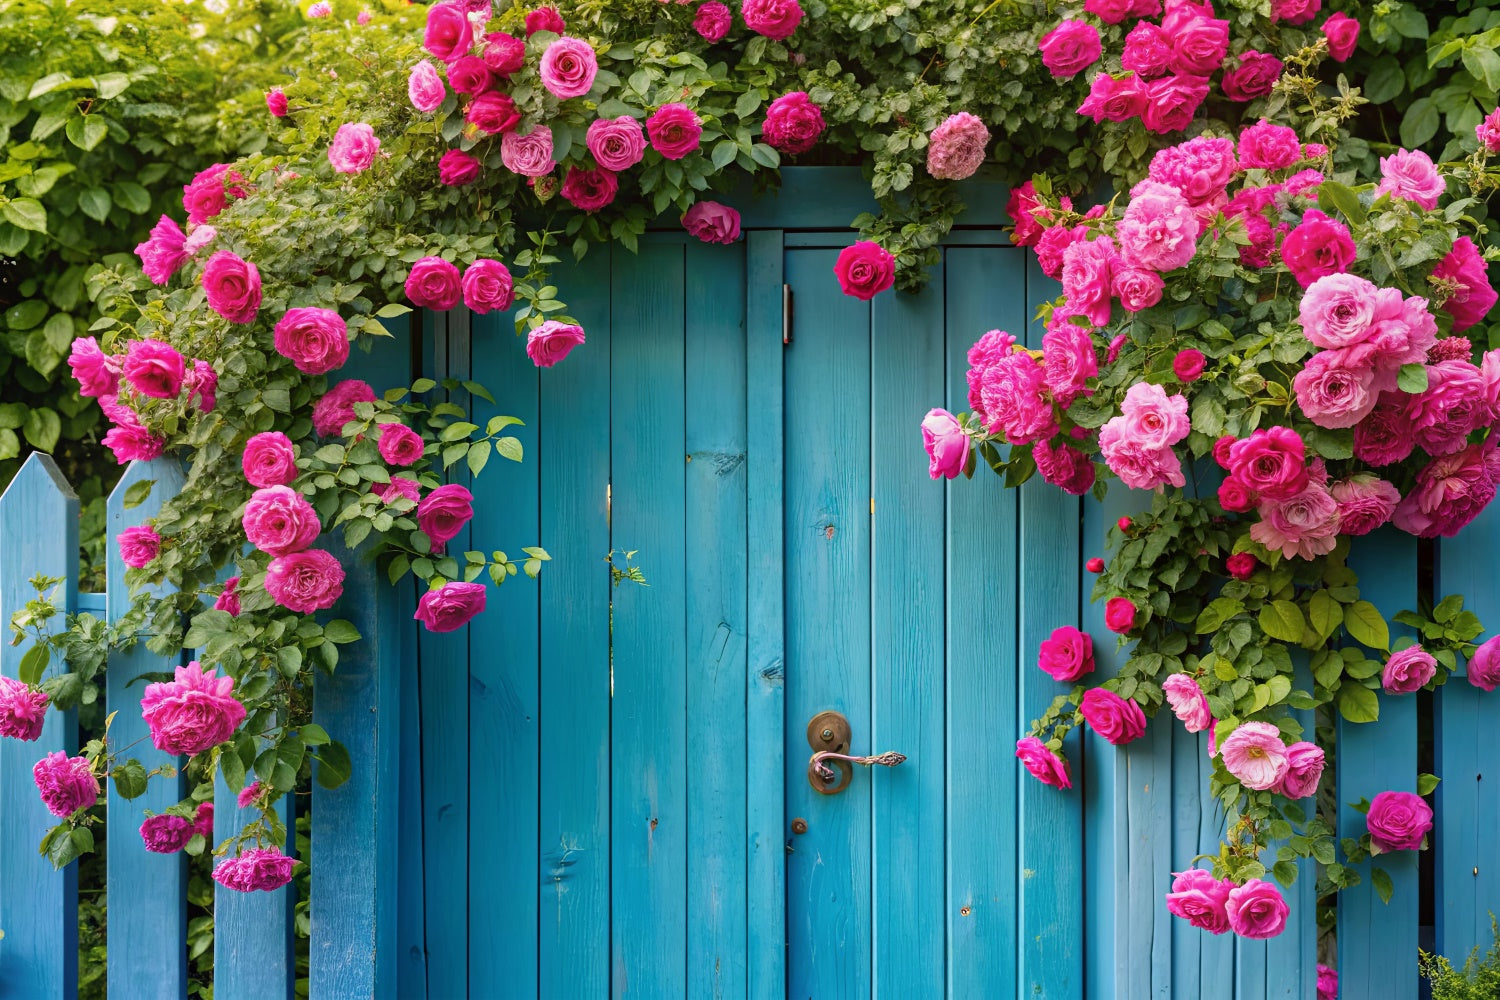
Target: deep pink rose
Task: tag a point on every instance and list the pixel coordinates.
(1484, 670)
(492, 112)
(450, 606)
(1334, 389)
(131, 441)
(433, 283)
(1199, 44)
(400, 445)
(229, 598)
(1067, 654)
(1270, 462)
(336, 408)
(232, 286)
(1119, 614)
(1115, 99)
(1488, 132)
(544, 19)
(470, 75)
(279, 520)
(1094, 565)
(568, 68)
(1411, 174)
(616, 144)
(1148, 51)
(247, 795)
(1408, 670)
(1136, 287)
(793, 123)
(353, 148)
(674, 130)
(712, 21)
(1398, 821)
(1385, 436)
(1070, 48)
(203, 821)
(315, 339)
(193, 712)
(590, 190)
(1043, 765)
(209, 191)
(448, 34)
(1266, 146)
(1342, 32)
(1066, 468)
(529, 155)
(1304, 768)
(166, 834)
(306, 581)
(1256, 910)
(97, 373)
(1088, 267)
(1365, 503)
(1255, 754)
(1022, 206)
(776, 19)
(201, 382)
(442, 514)
(259, 869)
(712, 222)
(153, 368)
(1054, 243)
(1115, 11)
(1172, 101)
(23, 710)
(1255, 76)
(163, 253)
(1118, 720)
(67, 784)
(1199, 898)
(865, 269)
(1069, 360)
(1455, 403)
(1188, 702)
(424, 87)
(1188, 364)
(138, 545)
(487, 287)
(955, 149)
(398, 488)
(1328, 983)
(1159, 230)
(270, 459)
(457, 168)
(552, 341)
(1473, 296)
(504, 53)
(276, 102)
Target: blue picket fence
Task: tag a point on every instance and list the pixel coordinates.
(597, 791)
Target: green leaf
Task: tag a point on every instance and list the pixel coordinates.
(1419, 124)
(1335, 196)
(341, 631)
(314, 735)
(86, 132)
(1412, 378)
(1279, 687)
(232, 768)
(725, 150)
(132, 197)
(1367, 625)
(130, 779)
(25, 213)
(334, 766)
(509, 447)
(1324, 614)
(111, 84)
(479, 456)
(1382, 883)
(43, 427)
(1427, 783)
(1483, 64)
(1386, 80)
(137, 492)
(391, 310)
(1358, 703)
(33, 664)
(1282, 620)
(47, 85)
(95, 203)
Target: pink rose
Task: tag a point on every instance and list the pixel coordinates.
(1398, 821)
(247, 795)
(1385, 436)
(424, 87)
(457, 168)
(529, 155)
(1256, 910)
(487, 287)
(1411, 175)
(201, 383)
(1270, 462)
(776, 19)
(1484, 671)
(552, 341)
(1118, 720)
(1069, 361)
(1043, 765)
(1022, 206)
(1014, 396)
(1199, 898)
(1255, 754)
(163, 253)
(616, 144)
(1407, 670)
(1338, 310)
(193, 712)
(1304, 183)
(1266, 146)
(1488, 132)
(1187, 702)
(400, 445)
(544, 19)
(442, 514)
(1294, 11)
(1115, 11)
(1152, 417)
(1473, 296)
(1304, 769)
(1455, 403)
(793, 123)
(307, 581)
(97, 373)
(353, 148)
(276, 102)
(131, 442)
(712, 21)
(1304, 525)
(336, 408)
(316, 340)
(259, 869)
(1255, 76)
(492, 112)
(1199, 44)
(470, 75)
(1342, 32)
(1334, 389)
(153, 368)
(138, 545)
(433, 283)
(320, 9)
(1188, 364)
(1054, 243)
(1172, 101)
(279, 520)
(1365, 503)
(1119, 614)
(1115, 99)
(203, 820)
(1328, 983)
(986, 353)
(209, 191)
(1086, 278)
(1070, 48)
(1137, 287)
(504, 53)
(229, 598)
(1148, 51)
(1159, 230)
(1066, 468)
(568, 68)
(712, 222)
(865, 269)
(23, 710)
(67, 784)
(1067, 654)
(674, 130)
(398, 488)
(166, 834)
(590, 190)
(955, 149)
(448, 34)
(450, 606)
(232, 286)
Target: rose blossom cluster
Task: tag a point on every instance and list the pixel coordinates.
(149, 369)
(1253, 910)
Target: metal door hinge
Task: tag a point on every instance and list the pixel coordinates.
(786, 314)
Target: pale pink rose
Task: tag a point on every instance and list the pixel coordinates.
(1266, 146)
(1042, 764)
(1256, 910)
(1187, 702)
(1067, 654)
(529, 155)
(163, 253)
(320, 9)
(1338, 310)
(336, 408)
(193, 712)
(568, 68)
(1403, 332)
(67, 784)
(1255, 754)
(1365, 503)
(1088, 267)
(712, 222)
(955, 149)
(552, 341)
(23, 710)
(1410, 174)
(487, 287)
(232, 286)
(451, 606)
(1070, 48)
(153, 368)
(1335, 390)
(398, 488)
(1159, 230)
(138, 545)
(1152, 417)
(353, 148)
(316, 340)
(279, 520)
(1140, 467)
(1304, 183)
(616, 144)
(305, 582)
(1118, 720)
(1302, 526)
(425, 88)
(1398, 821)
(1407, 670)
(1303, 771)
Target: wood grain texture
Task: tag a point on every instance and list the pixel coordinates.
(155, 936)
(648, 761)
(574, 828)
(38, 906)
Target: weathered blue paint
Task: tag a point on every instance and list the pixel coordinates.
(155, 936)
(38, 906)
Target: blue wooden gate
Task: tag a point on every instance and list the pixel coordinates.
(601, 790)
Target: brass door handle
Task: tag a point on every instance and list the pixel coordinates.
(832, 728)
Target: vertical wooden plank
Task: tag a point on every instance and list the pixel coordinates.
(411, 958)
(906, 666)
(574, 828)
(155, 936)
(716, 577)
(1050, 826)
(38, 906)
(828, 624)
(1378, 942)
(765, 688)
(648, 794)
(253, 958)
(1468, 746)
(503, 679)
(443, 663)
